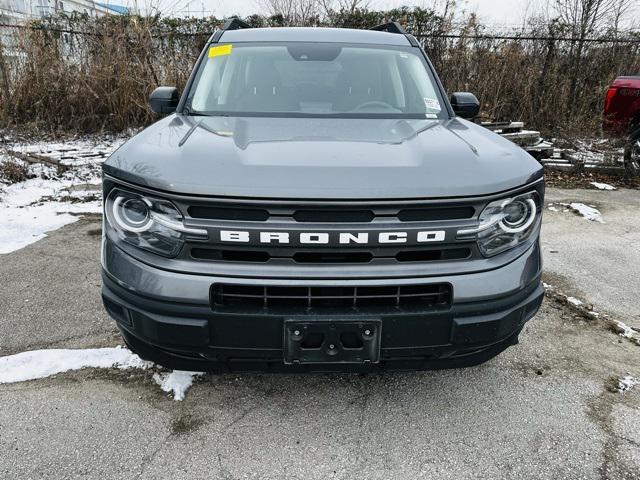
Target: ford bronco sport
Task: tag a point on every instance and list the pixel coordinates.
(314, 202)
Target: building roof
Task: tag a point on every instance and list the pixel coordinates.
(313, 34)
(116, 8)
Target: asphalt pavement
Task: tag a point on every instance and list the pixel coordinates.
(544, 409)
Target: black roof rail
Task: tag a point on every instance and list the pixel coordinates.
(395, 27)
(235, 24)
(390, 27)
(231, 24)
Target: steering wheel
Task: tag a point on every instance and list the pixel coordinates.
(374, 103)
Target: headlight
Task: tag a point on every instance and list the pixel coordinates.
(506, 223)
(148, 223)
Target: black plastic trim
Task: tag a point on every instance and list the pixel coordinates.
(390, 27)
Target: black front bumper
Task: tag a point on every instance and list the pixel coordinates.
(196, 337)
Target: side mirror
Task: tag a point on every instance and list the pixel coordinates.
(465, 104)
(164, 99)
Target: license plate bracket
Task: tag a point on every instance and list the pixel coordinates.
(332, 341)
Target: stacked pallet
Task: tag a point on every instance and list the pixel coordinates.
(530, 140)
(63, 156)
(584, 158)
(579, 161)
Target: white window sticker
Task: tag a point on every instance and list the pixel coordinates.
(432, 104)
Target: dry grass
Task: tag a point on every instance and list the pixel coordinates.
(96, 81)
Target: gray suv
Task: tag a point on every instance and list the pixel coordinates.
(314, 202)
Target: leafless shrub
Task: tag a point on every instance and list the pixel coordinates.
(81, 74)
(13, 171)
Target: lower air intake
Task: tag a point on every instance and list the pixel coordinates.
(430, 296)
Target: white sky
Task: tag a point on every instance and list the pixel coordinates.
(501, 12)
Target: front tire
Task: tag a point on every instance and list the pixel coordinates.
(632, 153)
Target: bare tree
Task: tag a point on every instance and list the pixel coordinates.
(294, 12)
(353, 5)
(588, 16)
(307, 11)
(331, 7)
(620, 10)
(283, 8)
(585, 18)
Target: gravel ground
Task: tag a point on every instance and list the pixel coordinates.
(544, 409)
(597, 261)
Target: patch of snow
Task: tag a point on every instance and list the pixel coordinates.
(603, 186)
(578, 304)
(22, 226)
(574, 301)
(30, 209)
(82, 194)
(176, 382)
(37, 364)
(625, 330)
(590, 213)
(627, 383)
(31, 191)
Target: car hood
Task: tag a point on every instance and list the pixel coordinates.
(311, 158)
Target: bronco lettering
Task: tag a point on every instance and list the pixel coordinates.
(327, 238)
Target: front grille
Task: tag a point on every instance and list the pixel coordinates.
(328, 257)
(247, 219)
(424, 297)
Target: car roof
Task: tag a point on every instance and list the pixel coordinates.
(313, 34)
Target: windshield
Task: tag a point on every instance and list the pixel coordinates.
(314, 79)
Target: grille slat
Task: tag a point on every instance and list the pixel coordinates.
(229, 213)
(435, 214)
(334, 216)
(429, 296)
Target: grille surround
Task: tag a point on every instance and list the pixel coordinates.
(352, 232)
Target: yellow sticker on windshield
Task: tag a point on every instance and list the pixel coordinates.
(220, 50)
